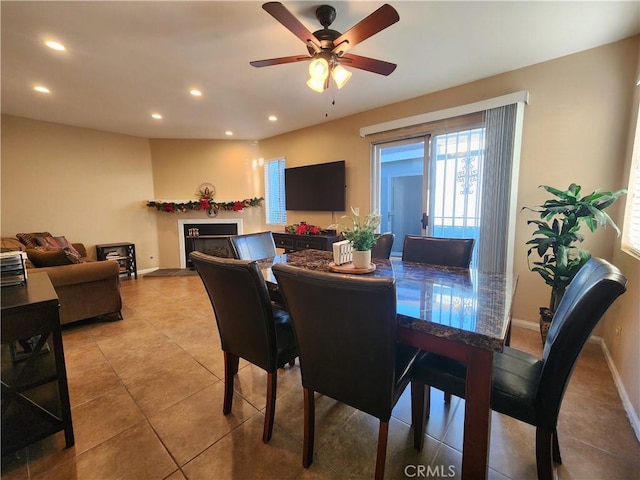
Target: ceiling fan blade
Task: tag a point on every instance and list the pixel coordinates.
(279, 61)
(382, 18)
(286, 18)
(369, 64)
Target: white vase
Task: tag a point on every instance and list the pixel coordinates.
(361, 259)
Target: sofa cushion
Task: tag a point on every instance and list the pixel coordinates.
(29, 239)
(10, 244)
(48, 258)
(56, 243)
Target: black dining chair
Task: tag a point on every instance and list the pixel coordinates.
(448, 252)
(250, 325)
(382, 248)
(257, 246)
(345, 328)
(253, 246)
(528, 388)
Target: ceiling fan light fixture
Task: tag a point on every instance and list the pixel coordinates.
(340, 75)
(319, 69)
(316, 84)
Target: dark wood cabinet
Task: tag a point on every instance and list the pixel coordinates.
(35, 395)
(291, 242)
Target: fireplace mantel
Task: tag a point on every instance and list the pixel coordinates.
(200, 221)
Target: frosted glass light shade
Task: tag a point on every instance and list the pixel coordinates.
(340, 75)
(319, 69)
(316, 84)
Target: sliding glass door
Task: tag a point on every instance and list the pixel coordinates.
(430, 185)
(401, 195)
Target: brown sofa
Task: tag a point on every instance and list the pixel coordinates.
(85, 289)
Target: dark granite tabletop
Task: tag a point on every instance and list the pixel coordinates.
(453, 303)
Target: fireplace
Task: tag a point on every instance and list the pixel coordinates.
(212, 237)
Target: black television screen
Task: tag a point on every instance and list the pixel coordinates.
(318, 187)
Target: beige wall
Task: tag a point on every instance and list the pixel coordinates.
(87, 185)
(180, 166)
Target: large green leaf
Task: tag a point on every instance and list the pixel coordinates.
(557, 234)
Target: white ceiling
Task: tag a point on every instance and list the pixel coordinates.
(126, 60)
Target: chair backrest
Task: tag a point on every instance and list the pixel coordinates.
(594, 288)
(345, 328)
(382, 248)
(253, 246)
(449, 252)
(242, 307)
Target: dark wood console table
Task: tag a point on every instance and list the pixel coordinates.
(292, 242)
(35, 395)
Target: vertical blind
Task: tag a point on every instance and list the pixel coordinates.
(496, 188)
(274, 198)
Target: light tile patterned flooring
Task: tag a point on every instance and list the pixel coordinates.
(146, 396)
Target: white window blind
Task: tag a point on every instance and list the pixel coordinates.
(631, 227)
(274, 192)
(632, 222)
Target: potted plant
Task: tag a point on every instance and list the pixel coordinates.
(362, 235)
(557, 235)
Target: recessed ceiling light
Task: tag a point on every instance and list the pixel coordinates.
(41, 89)
(196, 93)
(157, 116)
(228, 133)
(55, 45)
(273, 118)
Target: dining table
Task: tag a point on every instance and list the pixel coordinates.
(459, 313)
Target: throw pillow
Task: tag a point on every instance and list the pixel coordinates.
(47, 258)
(58, 242)
(29, 239)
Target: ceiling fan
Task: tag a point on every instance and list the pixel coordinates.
(327, 48)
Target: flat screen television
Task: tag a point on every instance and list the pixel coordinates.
(320, 188)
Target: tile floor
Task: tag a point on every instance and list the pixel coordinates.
(146, 396)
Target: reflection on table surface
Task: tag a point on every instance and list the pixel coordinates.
(454, 303)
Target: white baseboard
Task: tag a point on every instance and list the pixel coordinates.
(529, 325)
(147, 270)
(626, 403)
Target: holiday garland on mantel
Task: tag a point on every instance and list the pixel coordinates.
(205, 193)
(205, 204)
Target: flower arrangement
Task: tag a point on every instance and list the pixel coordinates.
(303, 228)
(361, 233)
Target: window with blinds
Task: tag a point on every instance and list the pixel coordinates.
(274, 192)
(631, 229)
(632, 222)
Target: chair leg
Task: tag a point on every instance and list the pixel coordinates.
(418, 415)
(381, 457)
(447, 397)
(270, 410)
(556, 447)
(230, 369)
(544, 452)
(309, 428)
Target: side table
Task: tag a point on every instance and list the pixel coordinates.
(124, 253)
(35, 394)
